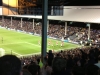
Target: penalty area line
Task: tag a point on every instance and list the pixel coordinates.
(31, 54)
(16, 53)
(13, 52)
(12, 43)
(66, 48)
(34, 45)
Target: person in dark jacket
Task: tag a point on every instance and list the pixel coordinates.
(50, 57)
(10, 65)
(59, 66)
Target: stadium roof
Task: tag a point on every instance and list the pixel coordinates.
(88, 14)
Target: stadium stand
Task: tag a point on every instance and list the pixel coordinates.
(84, 60)
(71, 62)
(10, 65)
(75, 33)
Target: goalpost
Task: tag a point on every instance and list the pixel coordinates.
(2, 52)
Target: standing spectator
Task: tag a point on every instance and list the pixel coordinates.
(50, 57)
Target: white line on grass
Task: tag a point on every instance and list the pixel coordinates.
(10, 50)
(31, 54)
(12, 43)
(20, 43)
(37, 52)
(40, 52)
(67, 48)
(34, 44)
(17, 53)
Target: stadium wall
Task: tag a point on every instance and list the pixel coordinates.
(10, 7)
(87, 14)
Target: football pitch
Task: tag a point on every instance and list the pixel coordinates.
(23, 44)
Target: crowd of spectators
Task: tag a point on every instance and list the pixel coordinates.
(78, 61)
(75, 33)
(85, 61)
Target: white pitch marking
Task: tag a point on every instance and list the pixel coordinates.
(17, 53)
(34, 44)
(12, 43)
(32, 54)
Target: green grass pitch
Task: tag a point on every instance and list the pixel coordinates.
(22, 44)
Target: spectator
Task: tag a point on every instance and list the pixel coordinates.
(26, 72)
(33, 69)
(10, 65)
(92, 70)
(78, 71)
(50, 57)
(98, 64)
(59, 66)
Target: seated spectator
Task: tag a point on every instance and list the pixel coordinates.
(10, 65)
(78, 71)
(33, 69)
(26, 72)
(98, 64)
(59, 66)
(99, 72)
(92, 70)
